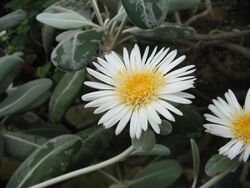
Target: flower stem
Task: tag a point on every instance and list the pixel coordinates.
(119, 31)
(97, 12)
(86, 170)
(216, 179)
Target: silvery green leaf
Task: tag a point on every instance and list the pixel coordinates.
(53, 158)
(74, 52)
(7, 64)
(66, 35)
(158, 149)
(12, 19)
(165, 128)
(146, 142)
(64, 20)
(146, 13)
(196, 160)
(164, 32)
(217, 164)
(24, 96)
(160, 174)
(64, 93)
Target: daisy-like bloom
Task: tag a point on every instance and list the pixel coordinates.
(137, 89)
(230, 120)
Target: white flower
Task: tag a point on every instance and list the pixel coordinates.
(230, 120)
(138, 89)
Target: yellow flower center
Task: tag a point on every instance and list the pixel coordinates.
(242, 127)
(139, 88)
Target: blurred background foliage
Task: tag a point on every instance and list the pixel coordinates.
(50, 119)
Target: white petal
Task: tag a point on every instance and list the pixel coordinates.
(226, 147)
(176, 99)
(165, 69)
(103, 70)
(98, 85)
(246, 153)
(133, 124)
(151, 56)
(100, 76)
(235, 150)
(247, 101)
(109, 114)
(170, 107)
(97, 94)
(123, 122)
(145, 55)
(234, 99)
(168, 59)
(116, 117)
(163, 111)
(218, 130)
(126, 58)
(108, 105)
(152, 113)
(100, 101)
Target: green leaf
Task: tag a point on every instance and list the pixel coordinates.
(165, 128)
(13, 141)
(38, 102)
(12, 19)
(146, 142)
(95, 139)
(5, 83)
(146, 13)
(64, 20)
(66, 35)
(81, 117)
(64, 94)
(160, 174)
(82, 7)
(196, 158)
(53, 158)
(47, 37)
(165, 32)
(23, 96)
(217, 164)
(178, 5)
(47, 133)
(7, 64)
(158, 149)
(76, 51)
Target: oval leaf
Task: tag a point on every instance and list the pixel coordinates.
(64, 93)
(7, 64)
(38, 167)
(24, 95)
(95, 139)
(76, 51)
(81, 117)
(160, 174)
(158, 149)
(146, 13)
(178, 5)
(12, 19)
(196, 158)
(165, 128)
(164, 32)
(13, 141)
(64, 20)
(217, 164)
(146, 142)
